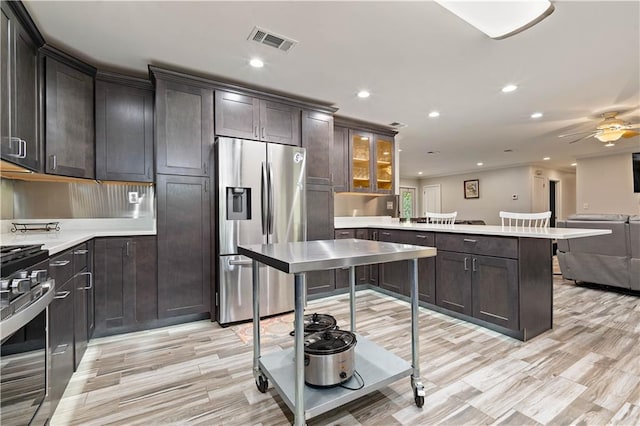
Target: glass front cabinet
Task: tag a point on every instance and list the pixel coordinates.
(371, 162)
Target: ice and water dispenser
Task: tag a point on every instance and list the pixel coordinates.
(238, 203)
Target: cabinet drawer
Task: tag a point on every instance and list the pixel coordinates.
(395, 236)
(80, 257)
(344, 233)
(422, 239)
(61, 267)
(478, 244)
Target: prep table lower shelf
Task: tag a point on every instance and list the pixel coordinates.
(377, 366)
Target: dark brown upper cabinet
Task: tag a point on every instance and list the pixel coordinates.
(371, 162)
(124, 129)
(340, 159)
(20, 141)
(317, 139)
(184, 129)
(247, 117)
(69, 126)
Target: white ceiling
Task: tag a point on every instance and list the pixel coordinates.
(414, 57)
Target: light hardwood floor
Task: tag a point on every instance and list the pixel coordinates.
(584, 371)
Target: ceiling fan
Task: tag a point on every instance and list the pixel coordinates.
(608, 130)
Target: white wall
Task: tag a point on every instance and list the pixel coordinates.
(605, 185)
(496, 190)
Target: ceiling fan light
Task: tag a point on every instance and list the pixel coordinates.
(610, 144)
(610, 135)
(500, 19)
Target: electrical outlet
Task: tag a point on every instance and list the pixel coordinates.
(585, 206)
(389, 205)
(134, 198)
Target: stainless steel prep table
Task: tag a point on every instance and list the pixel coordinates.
(377, 366)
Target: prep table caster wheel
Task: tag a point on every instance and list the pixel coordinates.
(419, 401)
(262, 383)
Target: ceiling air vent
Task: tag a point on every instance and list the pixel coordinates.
(279, 42)
(397, 125)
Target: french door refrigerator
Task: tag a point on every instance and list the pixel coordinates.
(262, 199)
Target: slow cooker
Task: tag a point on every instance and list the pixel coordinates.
(329, 357)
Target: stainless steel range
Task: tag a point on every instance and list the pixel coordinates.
(25, 294)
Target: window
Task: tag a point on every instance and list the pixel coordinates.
(407, 202)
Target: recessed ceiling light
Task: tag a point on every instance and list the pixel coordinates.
(574, 164)
(546, 158)
(479, 164)
(399, 150)
(536, 115)
(610, 144)
(363, 94)
(256, 63)
(419, 173)
(509, 88)
(434, 114)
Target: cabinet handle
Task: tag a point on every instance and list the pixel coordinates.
(149, 171)
(466, 267)
(375, 235)
(13, 140)
(126, 248)
(255, 131)
(473, 264)
(62, 295)
(204, 167)
(53, 161)
(331, 178)
(206, 186)
(23, 152)
(57, 263)
(263, 133)
(422, 237)
(60, 349)
(468, 240)
(344, 233)
(386, 234)
(90, 281)
(80, 252)
(240, 262)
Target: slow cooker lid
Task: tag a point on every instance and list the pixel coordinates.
(318, 322)
(329, 342)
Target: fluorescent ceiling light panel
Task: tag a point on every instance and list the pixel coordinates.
(500, 19)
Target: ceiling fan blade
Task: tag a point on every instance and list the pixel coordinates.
(585, 137)
(630, 134)
(573, 134)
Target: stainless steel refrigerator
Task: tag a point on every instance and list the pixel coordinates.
(262, 199)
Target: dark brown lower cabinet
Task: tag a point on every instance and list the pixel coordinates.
(494, 286)
(81, 283)
(61, 312)
(184, 246)
(362, 272)
(319, 227)
(453, 281)
(125, 284)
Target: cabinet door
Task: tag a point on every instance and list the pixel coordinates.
(124, 133)
(115, 278)
(495, 290)
(342, 274)
(279, 123)
(25, 99)
(237, 115)
(9, 149)
(146, 278)
(320, 227)
(340, 159)
(453, 281)
(361, 169)
(383, 164)
(69, 124)
(80, 338)
(426, 267)
(184, 245)
(184, 129)
(394, 276)
(61, 342)
(317, 139)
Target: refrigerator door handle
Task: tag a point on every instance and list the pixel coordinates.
(271, 216)
(264, 199)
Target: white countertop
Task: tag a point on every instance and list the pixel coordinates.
(506, 231)
(76, 231)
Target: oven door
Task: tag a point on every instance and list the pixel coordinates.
(23, 366)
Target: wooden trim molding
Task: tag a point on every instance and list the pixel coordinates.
(366, 126)
(53, 52)
(111, 77)
(25, 19)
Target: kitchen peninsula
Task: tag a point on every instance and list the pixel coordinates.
(497, 277)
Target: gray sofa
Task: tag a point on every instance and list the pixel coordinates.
(612, 259)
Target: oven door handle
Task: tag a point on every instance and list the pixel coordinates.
(21, 318)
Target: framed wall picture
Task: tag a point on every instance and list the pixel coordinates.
(472, 188)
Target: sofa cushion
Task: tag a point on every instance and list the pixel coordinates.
(634, 236)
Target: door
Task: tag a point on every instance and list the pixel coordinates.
(320, 227)
(80, 285)
(340, 159)
(431, 199)
(279, 123)
(540, 201)
(361, 161)
(237, 116)
(407, 202)
(495, 290)
(318, 140)
(242, 186)
(9, 149)
(184, 129)
(236, 289)
(383, 166)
